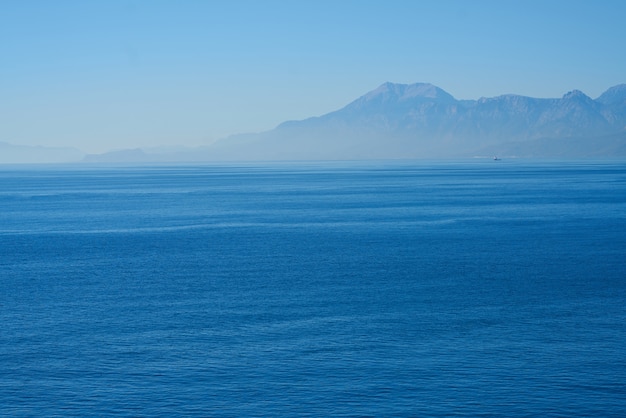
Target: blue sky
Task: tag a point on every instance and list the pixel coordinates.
(109, 74)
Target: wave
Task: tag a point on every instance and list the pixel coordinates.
(394, 224)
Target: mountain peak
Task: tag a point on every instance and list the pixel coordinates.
(401, 92)
(576, 94)
(614, 95)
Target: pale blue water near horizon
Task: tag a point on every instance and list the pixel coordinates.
(470, 288)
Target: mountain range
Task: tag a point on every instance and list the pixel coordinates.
(422, 120)
(402, 121)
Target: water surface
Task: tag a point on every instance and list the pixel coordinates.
(334, 289)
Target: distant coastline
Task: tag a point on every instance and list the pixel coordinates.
(403, 121)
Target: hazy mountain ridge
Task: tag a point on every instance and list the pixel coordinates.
(422, 120)
(407, 121)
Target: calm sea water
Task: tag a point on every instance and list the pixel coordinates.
(399, 289)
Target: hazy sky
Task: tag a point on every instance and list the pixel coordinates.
(108, 74)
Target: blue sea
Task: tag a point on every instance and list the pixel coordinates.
(382, 289)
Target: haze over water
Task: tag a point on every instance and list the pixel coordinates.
(379, 288)
(106, 75)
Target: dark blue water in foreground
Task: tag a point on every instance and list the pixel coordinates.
(413, 289)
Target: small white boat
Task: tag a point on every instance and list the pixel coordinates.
(496, 158)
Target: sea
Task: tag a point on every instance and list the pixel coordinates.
(331, 289)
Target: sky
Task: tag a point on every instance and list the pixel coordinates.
(112, 74)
